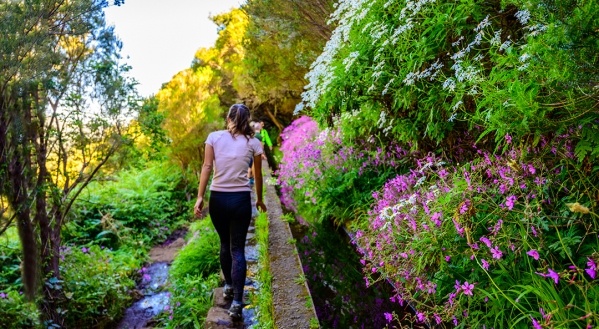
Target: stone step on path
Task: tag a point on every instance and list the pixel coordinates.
(218, 317)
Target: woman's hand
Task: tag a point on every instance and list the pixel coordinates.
(260, 205)
(197, 209)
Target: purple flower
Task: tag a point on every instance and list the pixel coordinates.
(388, 317)
(436, 218)
(509, 202)
(84, 250)
(533, 253)
(147, 277)
(497, 254)
(421, 317)
(3, 295)
(467, 288)
(508, 138)
(592, 268)
(486, 241)
(535, 324)
(447, 258)
(551, 274)
(464, 207)
(437, 318)
(485, 264)
(458, 228)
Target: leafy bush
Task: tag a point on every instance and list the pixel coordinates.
(10, 252)
(200, 257)
(16, 312)
(140, 204)
(425, 71)
(346, 174)
(500, 241)
(96, 283)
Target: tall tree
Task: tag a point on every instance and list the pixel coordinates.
(194, 101)
(62, 99)
(283, 38)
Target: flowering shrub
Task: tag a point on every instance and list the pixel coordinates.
(499, 241)
(319, 167)
(434, 68)
(468, 237)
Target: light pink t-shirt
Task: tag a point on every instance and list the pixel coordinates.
(232, 157)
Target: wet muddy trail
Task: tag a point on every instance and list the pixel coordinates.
(153, 298)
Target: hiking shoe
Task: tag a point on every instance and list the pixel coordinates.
(235, 311)
(228, 292)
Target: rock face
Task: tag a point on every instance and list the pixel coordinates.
(292, 303)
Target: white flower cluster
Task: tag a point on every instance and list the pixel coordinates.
(431, 73)
(350, 59)
(535, 29)
(382, 123)
(347, 13)
(523, 16)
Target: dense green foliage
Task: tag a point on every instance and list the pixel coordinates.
(141, 203)
(422, 72)
(480, 119)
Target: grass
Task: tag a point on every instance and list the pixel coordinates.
(264, 297)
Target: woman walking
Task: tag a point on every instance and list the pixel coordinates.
(229, 152)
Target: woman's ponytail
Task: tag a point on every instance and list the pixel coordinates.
(238, 122)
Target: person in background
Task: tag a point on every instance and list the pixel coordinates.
(256, 127)
(227, 155)
(267, 146)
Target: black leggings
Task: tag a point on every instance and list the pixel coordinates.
(231, 213)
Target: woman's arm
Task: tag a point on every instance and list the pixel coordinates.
(258, 182)
(204, 176)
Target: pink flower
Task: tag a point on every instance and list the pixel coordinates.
(467, 288)
(533, 253)
(551, 274)
(486, 241)
(508, 138)
(497, 254)
(421, 317)
(485, 264)
(388, 317)
(535, 324)
(436, 218)
(509, 202)
(458, 228)
(592, 268)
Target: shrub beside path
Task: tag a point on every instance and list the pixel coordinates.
(292, 302)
